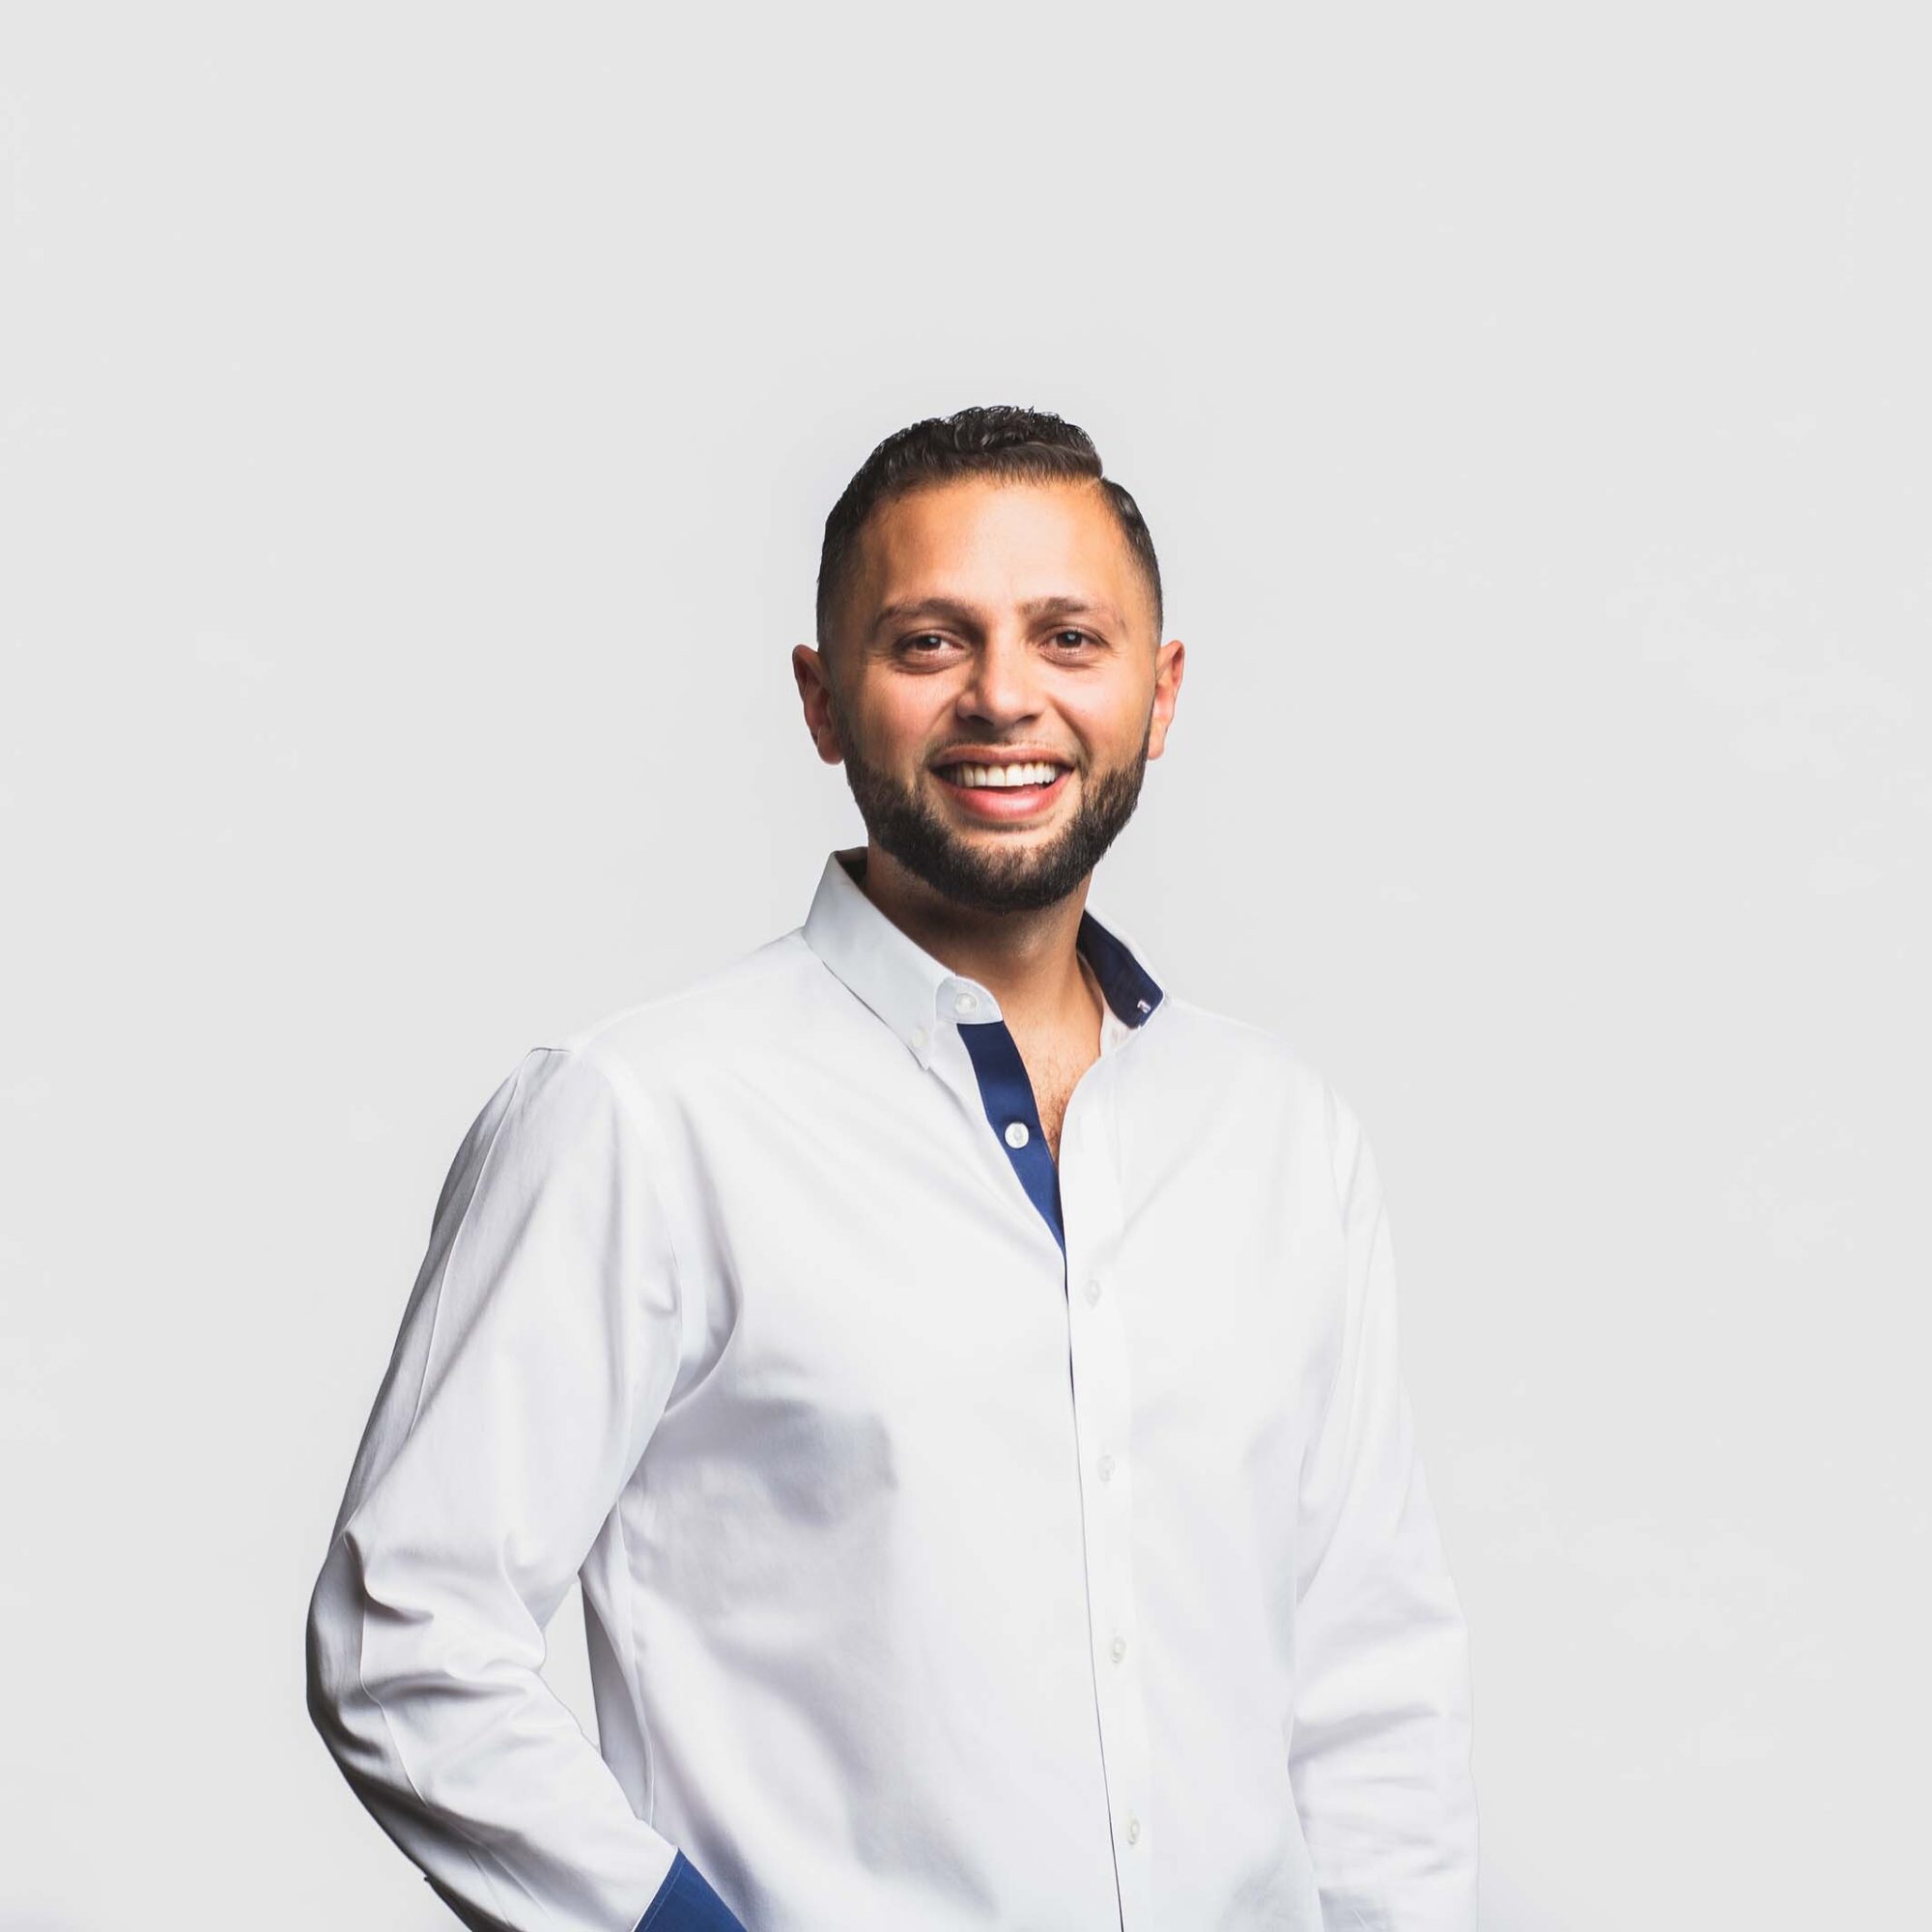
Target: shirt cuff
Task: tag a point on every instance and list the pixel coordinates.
(685, 1903)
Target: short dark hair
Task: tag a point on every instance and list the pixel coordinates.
(1019, 445)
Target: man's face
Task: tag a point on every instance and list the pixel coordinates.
(991, 629)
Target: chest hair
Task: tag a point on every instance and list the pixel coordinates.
(1054, 1064)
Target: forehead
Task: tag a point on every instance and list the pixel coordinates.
(993, 542)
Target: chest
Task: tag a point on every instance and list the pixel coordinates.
(1054, 1064)
(1056, 1057)
(876, 1316)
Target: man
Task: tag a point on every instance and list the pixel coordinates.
(962, 1372)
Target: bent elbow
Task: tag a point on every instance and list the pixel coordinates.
(332, 1643)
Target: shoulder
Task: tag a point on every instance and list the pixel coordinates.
(1226, 1048)
(726, 1018)
(1242, 1061)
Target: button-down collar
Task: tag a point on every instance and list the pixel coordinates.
(918, 996)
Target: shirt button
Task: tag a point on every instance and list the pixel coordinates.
(1119, 1648)
(1092, 1292)
(1134, 1829)
(1106, 1468)
(1016, 1133)
(965, 1003)
(919, 1036)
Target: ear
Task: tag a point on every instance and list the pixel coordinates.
(1170, 661)
(814, 690)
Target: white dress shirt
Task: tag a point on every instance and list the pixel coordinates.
(965, 1542)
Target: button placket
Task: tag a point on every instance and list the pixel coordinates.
(1102, 1413)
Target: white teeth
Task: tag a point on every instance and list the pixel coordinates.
(997, 775)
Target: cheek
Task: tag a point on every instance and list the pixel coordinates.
(1110, 722)
(900, 726)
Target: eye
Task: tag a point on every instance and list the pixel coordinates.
(1078, 637)
(916, 645)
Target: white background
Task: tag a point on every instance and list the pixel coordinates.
(416, 429)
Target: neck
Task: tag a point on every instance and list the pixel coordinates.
(1029, 961)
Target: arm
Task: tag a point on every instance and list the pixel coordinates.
(537, 1353)
(1379, 1754)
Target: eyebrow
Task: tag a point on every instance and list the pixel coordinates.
(963, 614)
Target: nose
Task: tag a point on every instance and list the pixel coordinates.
(1004, 688)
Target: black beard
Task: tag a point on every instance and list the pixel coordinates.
(992, 880)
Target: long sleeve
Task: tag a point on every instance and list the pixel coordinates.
(1379, 1756)
(535, 1356)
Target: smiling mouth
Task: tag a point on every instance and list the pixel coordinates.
(994, 794)
(1034, 775)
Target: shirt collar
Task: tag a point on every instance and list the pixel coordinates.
(914, 993)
